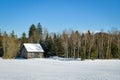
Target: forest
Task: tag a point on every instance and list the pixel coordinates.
(68, 44)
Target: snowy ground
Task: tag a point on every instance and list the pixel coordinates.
(51, 69)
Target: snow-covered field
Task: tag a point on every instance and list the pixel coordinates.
(51, 69)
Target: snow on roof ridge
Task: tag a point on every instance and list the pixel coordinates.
(31, 43)
(33, 47)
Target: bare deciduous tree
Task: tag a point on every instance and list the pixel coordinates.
(65, 43)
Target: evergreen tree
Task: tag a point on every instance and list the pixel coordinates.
(32, 34)
(49, 46)
(78, 44)
(84, 46)
(68, 44)
(1, 46)
(24, 38)
(57, 45)
(39, 33)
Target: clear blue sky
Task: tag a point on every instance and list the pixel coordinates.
(58, 15)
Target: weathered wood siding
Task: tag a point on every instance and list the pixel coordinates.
(23, 52)
(26, 54)
(34, 55)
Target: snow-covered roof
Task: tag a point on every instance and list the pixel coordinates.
(30, 47)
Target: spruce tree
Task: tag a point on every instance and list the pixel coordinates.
(39, 33)
(24, 38)
(32, 34)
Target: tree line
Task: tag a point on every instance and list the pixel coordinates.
(68, 44)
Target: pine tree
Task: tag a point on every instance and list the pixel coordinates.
(84, 46)
(32, 34)
(57, 43)
(39, 33)
(24, 38)
(1, 46)
(78, 44)
(49, 46)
